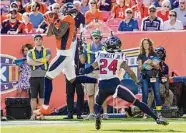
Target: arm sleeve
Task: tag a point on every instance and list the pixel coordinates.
(62, 29)
(139, 57)
(120, 26)
(88, 70)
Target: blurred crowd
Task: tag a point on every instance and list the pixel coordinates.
(26, 16)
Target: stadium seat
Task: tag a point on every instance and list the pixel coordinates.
(97, 25)
(113, 24)
(106, 15)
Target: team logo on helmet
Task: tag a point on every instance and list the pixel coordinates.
(112, 44)
(68, 9)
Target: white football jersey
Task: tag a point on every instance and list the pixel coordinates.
(109, 63)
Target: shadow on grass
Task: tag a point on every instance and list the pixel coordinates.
(138, 130)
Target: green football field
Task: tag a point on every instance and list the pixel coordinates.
(123, 125)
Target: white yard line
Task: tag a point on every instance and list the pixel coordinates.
(69, 123)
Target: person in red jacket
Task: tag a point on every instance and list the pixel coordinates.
(26, 26)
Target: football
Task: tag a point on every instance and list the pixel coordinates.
(49, 15)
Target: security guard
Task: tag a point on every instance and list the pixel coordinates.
(38, 59)
(89, 57)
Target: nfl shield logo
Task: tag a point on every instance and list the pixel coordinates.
(9, 73)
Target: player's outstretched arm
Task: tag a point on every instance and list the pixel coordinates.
(59, 32)
(129, 71)
(90, 69)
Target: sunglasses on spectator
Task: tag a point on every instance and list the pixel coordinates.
(152, 10)
(92, 3)
(182, 2)
(14, 6)
(56, 7)
(166, 6)
(96, 37)
(129, 12)
(172, 15)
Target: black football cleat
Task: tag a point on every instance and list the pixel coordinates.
(162, 121)
(79, 117)
(69, 117)
(98, 122)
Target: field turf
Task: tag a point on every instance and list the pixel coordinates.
(122, 125)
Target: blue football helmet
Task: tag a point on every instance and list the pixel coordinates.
(112, 44)
(68, 9)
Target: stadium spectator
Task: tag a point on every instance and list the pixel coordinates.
(38, 59)
(14, 6)
(42, 6)
(181, 12)
(158, 3)
(140, 10)
(89, 56)
(147, 3)
(55, 8)
(93, 13)
(79, 19)
(59, 2)
(118, 11)
(104, 5)
(9, 26)
(128, 24)
(71, 88)
(20, 6)
(23, 86)
(130, 3)
(43, 27)
(26, 26)
(163, 11)
(152, 22)
(84, 6)
(3, 16)
(148, 63)
(173, 23)
(35, 16)
(174, 4)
